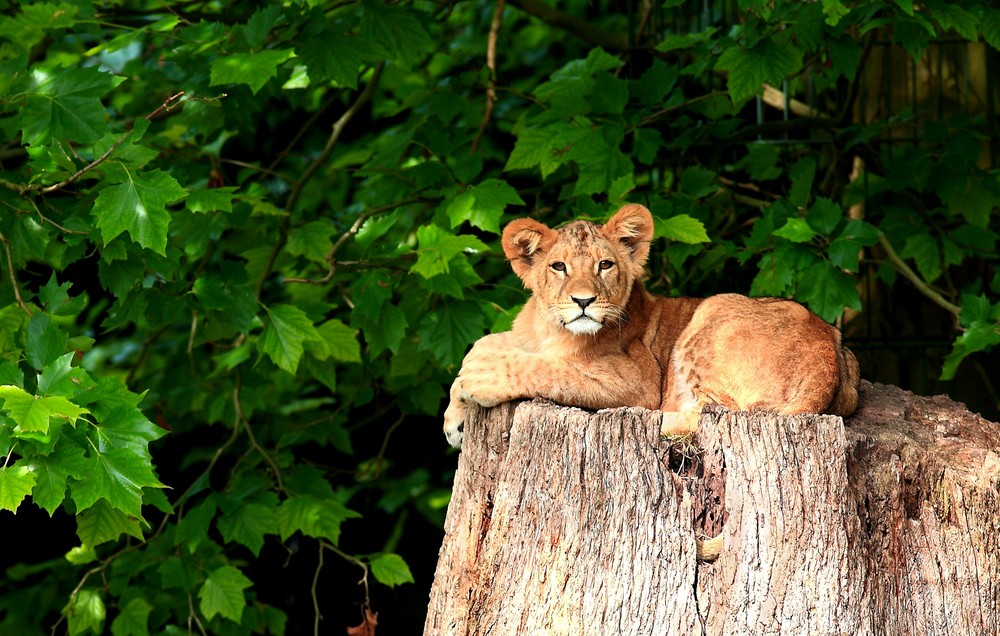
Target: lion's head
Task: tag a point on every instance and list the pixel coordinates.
(581, 274)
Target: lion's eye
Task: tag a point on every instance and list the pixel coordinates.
(558, 266)
(606, 264)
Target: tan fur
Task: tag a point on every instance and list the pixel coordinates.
(591, 336)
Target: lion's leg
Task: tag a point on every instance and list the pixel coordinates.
(487, 347)
(454, 416)
(682, 411)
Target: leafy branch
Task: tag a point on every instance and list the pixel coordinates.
(24, 189)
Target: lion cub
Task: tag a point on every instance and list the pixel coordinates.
(591, 336)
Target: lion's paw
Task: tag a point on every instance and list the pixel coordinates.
(454, 423)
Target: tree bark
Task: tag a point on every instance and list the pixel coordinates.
(569, 522)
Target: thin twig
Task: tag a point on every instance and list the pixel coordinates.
(96, 162)
(379, 462)
(669, 109)
(267, 456)
(331, 261)
(914, 278)
(331, 142)
(194, 615)
(356, 561)
(491, 64)
(13, 277)
(315, 598)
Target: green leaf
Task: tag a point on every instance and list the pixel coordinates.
(260, 24)
(222, 594)
(390, 569)
(125, 428)
(685, 41)
(395, 29)
(192, 529)
(600, 160)
(386, 330)
(283, 337)
(775, 277)
(32, 414)
(247, 525)
(681, 227)
(313, 517)
(210, 200)
(16, 481)
(117, 476)
(253, 69)
(951, 16)
(85, 613)
(834, 11)
(101, 523)
(796, 230)
(338, 341)
(924, 250)
(375, 228)
(138, 205)
(51, 472)
(980, 336)
(81, 555)
(482, 205)
(655, 84)
(449, 331)
(335, 57)
(989, 23)
(133, 619)
(435, 247)
(66, 105)
(699, 182)
(761, 162)
(767, 61)
(311, 240)
(845, 254)
(824, 216)
(56, 299)
(45, 342)
(970, 198)
(827, 291)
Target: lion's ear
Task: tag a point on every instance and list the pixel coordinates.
(523, 241)
(632, 226)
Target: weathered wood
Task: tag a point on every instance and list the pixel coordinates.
(568, 522)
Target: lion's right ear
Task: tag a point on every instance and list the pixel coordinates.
(524, 240)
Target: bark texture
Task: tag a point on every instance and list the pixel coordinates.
(569, 522)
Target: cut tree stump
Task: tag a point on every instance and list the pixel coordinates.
(568, 522)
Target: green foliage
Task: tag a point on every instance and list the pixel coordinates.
(245, 247)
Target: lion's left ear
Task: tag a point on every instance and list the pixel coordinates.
(632, 226)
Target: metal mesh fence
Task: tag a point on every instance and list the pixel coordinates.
(899, 96)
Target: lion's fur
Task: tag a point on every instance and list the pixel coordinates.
(672, 354)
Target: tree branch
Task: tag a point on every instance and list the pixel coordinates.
(491, 64)
(13, 276)
(331, 142)
(914, 278)
(331, 261)
(27, 188)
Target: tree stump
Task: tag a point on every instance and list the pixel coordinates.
(569, 522)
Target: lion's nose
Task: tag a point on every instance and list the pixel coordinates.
(584, 302)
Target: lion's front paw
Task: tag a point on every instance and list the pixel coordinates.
(487, 380)
(454, 423)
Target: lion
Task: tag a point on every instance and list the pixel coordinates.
(591, 336)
